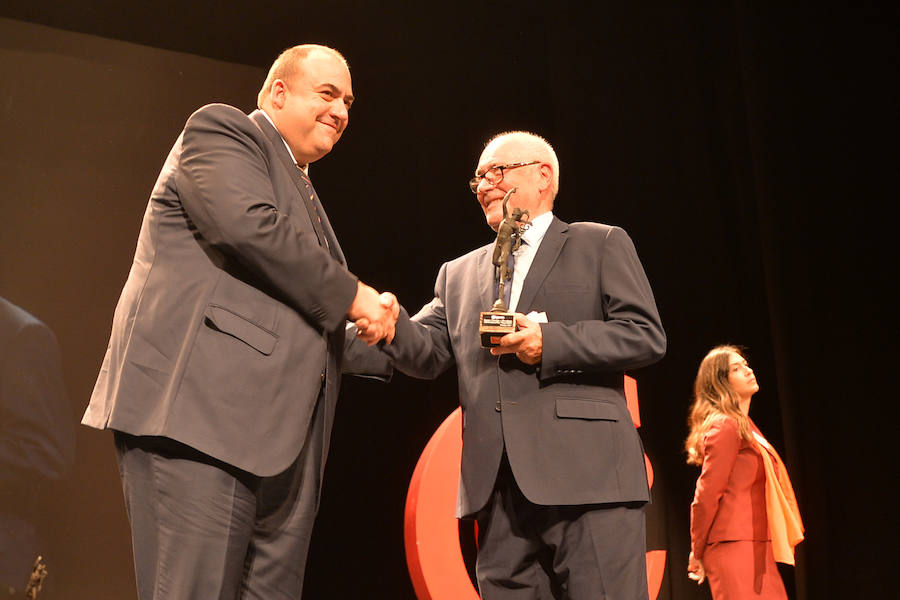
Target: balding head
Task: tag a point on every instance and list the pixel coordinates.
(288, 65)
(307, 96)
(532, 147)
(520, 160)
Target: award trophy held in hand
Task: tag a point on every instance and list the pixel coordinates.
(499, 321)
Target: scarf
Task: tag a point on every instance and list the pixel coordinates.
(785, 526)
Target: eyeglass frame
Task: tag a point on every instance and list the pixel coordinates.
(476, 181)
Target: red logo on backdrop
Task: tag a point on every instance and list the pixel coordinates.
(433, 551)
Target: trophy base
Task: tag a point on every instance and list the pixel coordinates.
(494, 325)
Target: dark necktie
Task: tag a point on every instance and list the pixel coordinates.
(511, 262)
(507, 292)
(507, 287)
(312, 206)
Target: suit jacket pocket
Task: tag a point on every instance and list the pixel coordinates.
(566, 287)
(576, 408)
(233, 324)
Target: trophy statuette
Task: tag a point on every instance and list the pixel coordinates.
(499, 320)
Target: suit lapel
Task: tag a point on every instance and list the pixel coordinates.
(296, 175)
(485, 273)
(281, 152)
(546, 256)
(333, 244)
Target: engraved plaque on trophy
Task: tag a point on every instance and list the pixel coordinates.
(499, 320)
(494, 325)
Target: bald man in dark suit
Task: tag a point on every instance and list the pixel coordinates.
(228, 343)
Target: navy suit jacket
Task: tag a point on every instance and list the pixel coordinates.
(567, 432)
(232, 318)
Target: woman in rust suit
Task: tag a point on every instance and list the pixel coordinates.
(744, 516)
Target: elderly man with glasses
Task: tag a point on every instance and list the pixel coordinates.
(552, 466)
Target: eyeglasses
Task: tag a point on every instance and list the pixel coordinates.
(494, 175)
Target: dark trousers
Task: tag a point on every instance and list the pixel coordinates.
(204, 530)
(531, 552)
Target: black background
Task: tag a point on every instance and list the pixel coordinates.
(748, 149)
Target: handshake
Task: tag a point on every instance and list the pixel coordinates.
(374, 314)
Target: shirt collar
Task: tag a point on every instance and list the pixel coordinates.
(304, 168)
(539, 226)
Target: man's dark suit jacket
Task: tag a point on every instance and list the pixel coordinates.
(567, 432)
(232, 318)
(37, 443)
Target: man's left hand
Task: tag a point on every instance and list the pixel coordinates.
(527, 343)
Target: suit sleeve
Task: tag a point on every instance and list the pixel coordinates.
(630, 334)
(362, 360)
(225, 187)
(421, 346)
(720, 449)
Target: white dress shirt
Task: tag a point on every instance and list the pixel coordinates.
(531, 241)
(304, 168)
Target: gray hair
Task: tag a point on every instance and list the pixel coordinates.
(543, 151)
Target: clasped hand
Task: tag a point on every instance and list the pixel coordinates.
(374, 314)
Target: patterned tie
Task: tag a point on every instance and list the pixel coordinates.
(507, 287)
(312, 208)
(507, 291)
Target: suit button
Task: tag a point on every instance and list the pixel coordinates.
(497, 407)
(322, 376)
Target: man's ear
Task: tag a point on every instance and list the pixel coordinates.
(546, 176)
(278, 94)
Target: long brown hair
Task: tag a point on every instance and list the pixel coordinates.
(713, 398)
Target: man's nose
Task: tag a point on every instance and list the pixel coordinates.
(485, 185)
(339, 111)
